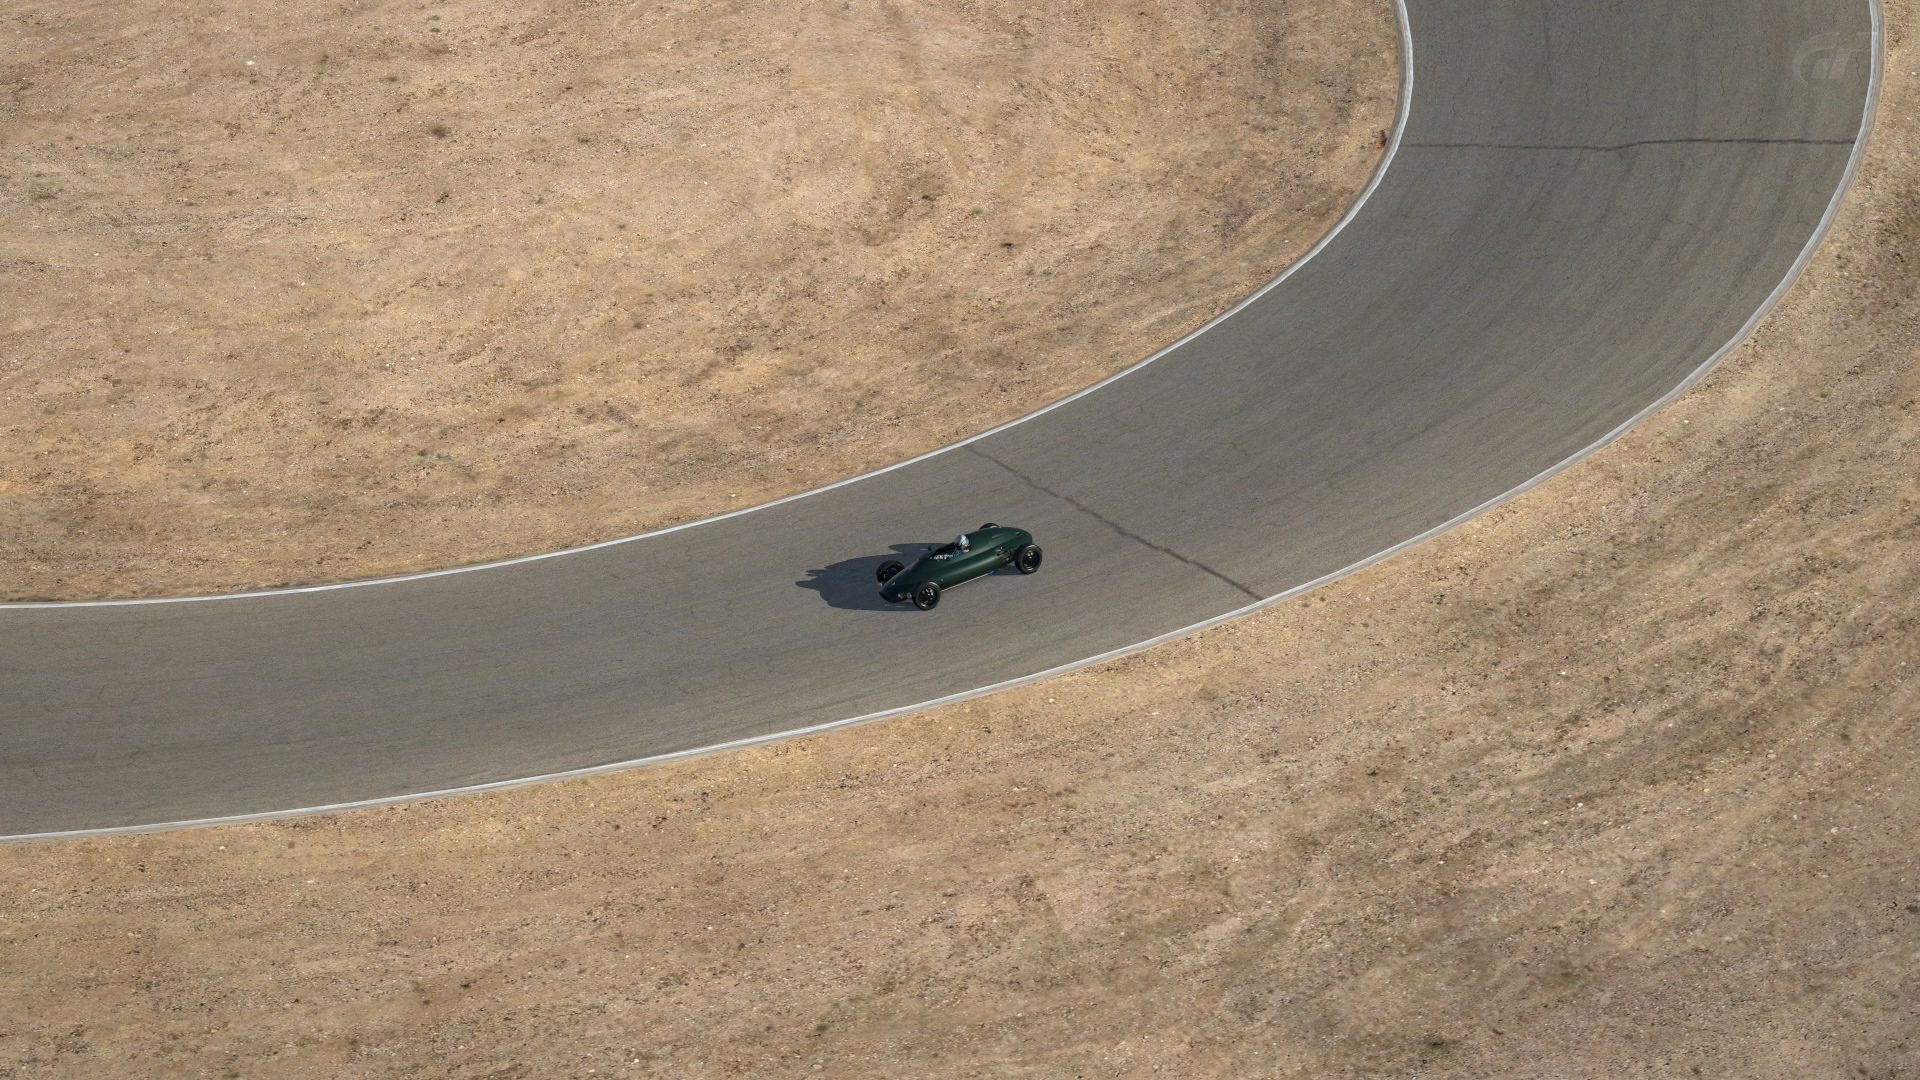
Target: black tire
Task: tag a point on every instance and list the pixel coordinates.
(887, 570)
(1027, 560)
(926, 596)
(988, 525)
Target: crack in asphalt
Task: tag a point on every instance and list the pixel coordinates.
(1607, 148)
(1112, 524)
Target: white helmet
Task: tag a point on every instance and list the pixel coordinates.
(960, 543)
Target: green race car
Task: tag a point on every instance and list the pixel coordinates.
(971, 555)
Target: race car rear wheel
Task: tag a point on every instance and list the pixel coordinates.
(926, 596)
(1028, 560)
(988, 525)
(887, 570)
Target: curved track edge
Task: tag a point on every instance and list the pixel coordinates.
(1793, 273)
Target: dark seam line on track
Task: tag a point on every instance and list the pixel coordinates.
(1604, 148)
(1111, 524)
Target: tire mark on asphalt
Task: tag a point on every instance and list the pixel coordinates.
(1112, 524)
(1609, 148)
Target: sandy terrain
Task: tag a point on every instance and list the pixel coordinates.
(378, 287)
(1616, 781)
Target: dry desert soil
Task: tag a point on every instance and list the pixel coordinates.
(1617, 780)
(318, 291)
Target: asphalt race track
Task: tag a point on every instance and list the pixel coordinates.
(1587, 203)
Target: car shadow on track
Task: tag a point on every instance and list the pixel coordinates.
(851, 583)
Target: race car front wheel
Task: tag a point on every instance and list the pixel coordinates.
(1028, 560)
(926, 596)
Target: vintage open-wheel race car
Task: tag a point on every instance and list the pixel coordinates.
(946, 566)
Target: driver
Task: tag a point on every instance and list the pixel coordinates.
(960, 545)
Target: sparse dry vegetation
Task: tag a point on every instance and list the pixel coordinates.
(1617, 780)
(616, 267)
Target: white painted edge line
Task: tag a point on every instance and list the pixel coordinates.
(1746, 330)
(1353, 210)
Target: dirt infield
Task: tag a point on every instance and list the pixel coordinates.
(309, 292)
(1615, 781)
